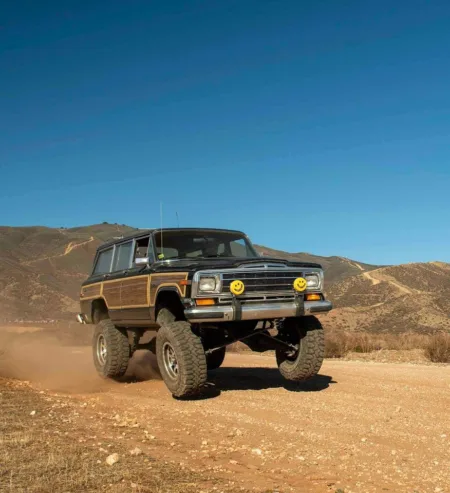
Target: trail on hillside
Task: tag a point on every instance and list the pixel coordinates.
(373, 280)
(376, 276)
(71, 246)
(354, 264)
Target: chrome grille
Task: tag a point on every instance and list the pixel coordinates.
(266, 281)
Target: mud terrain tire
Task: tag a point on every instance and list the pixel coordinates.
(181, 359)
(111, 350)
(308, 333)
(214, 360)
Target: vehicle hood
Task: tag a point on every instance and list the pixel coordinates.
(224, 263)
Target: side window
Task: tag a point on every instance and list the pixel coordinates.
(103, 264)
(123, 256)
(143, 249)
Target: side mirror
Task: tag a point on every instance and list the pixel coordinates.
(142, 261)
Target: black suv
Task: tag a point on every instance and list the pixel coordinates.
(201, 290)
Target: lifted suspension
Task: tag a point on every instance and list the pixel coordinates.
(277, 343)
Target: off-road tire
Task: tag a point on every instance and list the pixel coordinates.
(165, 317)
(214, 360)
(190, 357)
(309, 358)
(115, 362)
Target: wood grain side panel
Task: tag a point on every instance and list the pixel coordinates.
(89, 292)
(158, 281)
(111, 294)
(135, 292)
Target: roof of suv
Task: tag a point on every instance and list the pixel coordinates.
(144, 232)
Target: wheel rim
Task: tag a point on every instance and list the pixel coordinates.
(102, 351)
(170, 361)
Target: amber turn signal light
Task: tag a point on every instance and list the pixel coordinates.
(313, 297)
(205, 302)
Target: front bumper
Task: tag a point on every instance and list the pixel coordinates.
(254, 311)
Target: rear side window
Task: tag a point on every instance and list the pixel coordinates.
(122, 258)
(103, 264)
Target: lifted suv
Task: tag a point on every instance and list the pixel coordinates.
(201, 290)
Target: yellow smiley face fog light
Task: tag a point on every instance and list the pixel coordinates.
(300, 284)
(237, 287)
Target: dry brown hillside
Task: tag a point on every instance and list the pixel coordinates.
(394, 299)
(336, 268)
(41, 270)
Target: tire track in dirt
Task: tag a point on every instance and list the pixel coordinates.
(360, 427)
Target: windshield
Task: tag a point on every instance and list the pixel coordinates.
(202, 244)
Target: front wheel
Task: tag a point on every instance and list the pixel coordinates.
(306, 333)
(181, 359)
(111, 350)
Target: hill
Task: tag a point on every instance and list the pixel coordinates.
(409, 297)
(41, 270)
(335, 268)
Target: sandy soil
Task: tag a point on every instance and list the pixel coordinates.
(358, 427)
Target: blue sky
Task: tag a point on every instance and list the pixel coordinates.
(313, 126)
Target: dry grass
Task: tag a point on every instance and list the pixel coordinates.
(436, 347)
(49, 452)
(339, 343)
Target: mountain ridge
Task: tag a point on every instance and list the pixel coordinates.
(42, 268)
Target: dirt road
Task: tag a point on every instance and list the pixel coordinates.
(358, 427)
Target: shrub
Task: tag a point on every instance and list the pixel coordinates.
(364, 343)
(438, 349)
(335, 344)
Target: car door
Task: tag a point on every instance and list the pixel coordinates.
(112, 281)
(134, 294)
(104, 283)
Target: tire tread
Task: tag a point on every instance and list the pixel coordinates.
(311, 352)
(118, 349)
(191, 358)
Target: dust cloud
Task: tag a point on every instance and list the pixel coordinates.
(41, 357)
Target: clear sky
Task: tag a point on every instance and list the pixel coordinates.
(317, 126)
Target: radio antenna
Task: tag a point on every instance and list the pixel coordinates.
(178, 221)
(161, 216)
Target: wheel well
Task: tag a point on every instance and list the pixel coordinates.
(99, 311)
(170, 299)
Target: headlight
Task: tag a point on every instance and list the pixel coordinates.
(312, 281)
(209, 284)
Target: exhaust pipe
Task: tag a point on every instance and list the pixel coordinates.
(80, 318)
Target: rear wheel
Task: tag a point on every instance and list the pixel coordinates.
(111, 350)
(307, 334)
(214, 360)
(181, 359)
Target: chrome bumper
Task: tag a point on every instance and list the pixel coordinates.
(253, 311)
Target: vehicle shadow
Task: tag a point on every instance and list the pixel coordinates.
(226, 379)
(144, 367)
